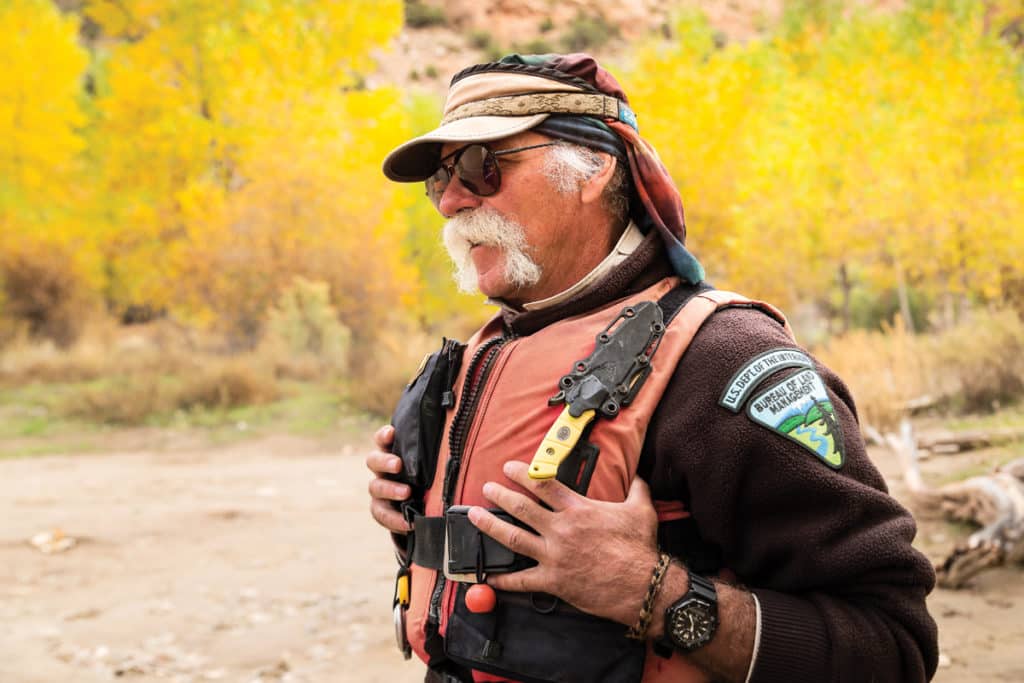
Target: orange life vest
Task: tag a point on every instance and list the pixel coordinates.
(512, 416)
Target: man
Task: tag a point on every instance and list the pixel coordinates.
(765, 547)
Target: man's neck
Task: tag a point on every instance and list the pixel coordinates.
(627, 243)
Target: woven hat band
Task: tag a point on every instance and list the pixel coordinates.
(584, 104)
(488, 85)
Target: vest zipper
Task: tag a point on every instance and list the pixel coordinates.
(476, 379)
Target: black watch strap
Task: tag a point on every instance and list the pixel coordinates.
(702, 588)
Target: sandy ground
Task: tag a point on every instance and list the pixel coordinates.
(258, 562)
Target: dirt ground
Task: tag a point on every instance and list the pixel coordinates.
(257, 562)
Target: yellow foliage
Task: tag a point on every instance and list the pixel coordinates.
(238, 144)
(197, 156)
(39, 87)
(40, 118)
(887, 143)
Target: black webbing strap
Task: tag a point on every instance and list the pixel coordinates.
(428, 551)
(677, 297)
(670, 304)
(469, 550)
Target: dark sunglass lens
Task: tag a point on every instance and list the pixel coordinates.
(471, 168)
(490, 173)
(436, 184)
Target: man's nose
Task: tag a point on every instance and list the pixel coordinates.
(455, 198)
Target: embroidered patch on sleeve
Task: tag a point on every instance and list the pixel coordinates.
(753, 373)
(799, 409)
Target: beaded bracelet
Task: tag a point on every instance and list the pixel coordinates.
(638, 631)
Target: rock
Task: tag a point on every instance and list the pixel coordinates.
(53, 541)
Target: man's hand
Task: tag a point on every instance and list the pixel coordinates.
(385, 492)
(595, 555)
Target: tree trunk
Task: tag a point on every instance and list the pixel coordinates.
(904, 299)
(845, 286)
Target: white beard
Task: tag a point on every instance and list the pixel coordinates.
(485, 226)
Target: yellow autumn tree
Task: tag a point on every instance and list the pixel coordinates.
(241, 147)
(40, 85)
(863, 152)
(44, 250)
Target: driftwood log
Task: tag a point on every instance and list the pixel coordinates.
(954, 442)
(995, 502)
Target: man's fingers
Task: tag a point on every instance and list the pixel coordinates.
(557, 495)
(386, 489)
(388, 517)
(509, 535)
(528, 580)
(384, 437)
(523, 508)
(380, 462)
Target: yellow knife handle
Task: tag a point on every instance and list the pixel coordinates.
(558, 443)
(402, 590)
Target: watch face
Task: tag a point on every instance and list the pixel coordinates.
(693, 624)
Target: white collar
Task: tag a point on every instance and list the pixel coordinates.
(627, 244)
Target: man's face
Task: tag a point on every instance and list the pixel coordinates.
(515, 245)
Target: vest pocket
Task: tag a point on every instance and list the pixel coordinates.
(535, 638)
(420, 415)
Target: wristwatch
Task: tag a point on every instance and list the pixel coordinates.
(691, 621)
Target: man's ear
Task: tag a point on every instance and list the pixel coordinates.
(593, 187)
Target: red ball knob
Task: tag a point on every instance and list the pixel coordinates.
(480, 598)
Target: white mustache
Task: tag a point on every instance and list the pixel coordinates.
(485, 226)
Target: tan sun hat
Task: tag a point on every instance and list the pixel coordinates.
(519, 92)
(491, 105)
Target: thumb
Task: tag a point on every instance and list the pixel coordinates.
(639, 493)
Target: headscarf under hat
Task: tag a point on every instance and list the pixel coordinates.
(569, 97)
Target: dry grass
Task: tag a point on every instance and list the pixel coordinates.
(42, 291)
(129, 375)
(377, 378)
(135, 396)
(125, 375)
(232, 384)
(974, 367)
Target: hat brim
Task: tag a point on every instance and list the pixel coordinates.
(416, 160)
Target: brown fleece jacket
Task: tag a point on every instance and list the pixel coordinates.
(827, 553)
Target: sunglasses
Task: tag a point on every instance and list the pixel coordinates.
(476, 166)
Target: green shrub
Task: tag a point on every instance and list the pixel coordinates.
(420, 15)
(587, 32)
(480, 40)
(304, 323)
(537, 46)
